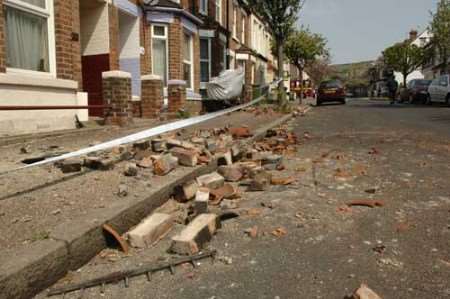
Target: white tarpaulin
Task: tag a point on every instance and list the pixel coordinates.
(228, 85)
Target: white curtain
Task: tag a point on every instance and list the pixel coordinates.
(26, 41)
(160, 59)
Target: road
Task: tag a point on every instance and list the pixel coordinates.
(364, 150)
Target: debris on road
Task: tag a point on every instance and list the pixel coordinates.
(366, 203)
(164, 164)
(150, 230)
(195, 235)
(283, 181)
(147, 269)
(119, 240)
(71, 165)
(364, 292)
(211, 181)
(201, 201)
(252, 232)
(279, 232)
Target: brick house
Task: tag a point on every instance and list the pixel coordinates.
(40, 63)
(172, 42)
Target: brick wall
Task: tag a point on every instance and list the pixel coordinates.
(68, 56)
(196, 62)
(152, 96)
(117, 94)
(113, 16)
(146, 37)
(175, 50)
(2, 40)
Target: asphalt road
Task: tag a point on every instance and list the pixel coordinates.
(364, 150)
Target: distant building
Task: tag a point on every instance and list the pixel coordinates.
(420, 40)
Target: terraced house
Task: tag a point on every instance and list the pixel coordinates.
(57, 52)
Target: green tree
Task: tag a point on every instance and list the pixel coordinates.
(280, 16)
(319, 70)
(440, 29)
(303, 48)
(404, 58)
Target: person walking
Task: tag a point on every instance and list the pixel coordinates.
(392, 85)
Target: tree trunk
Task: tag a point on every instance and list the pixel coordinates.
(300, 78)
(281, 91)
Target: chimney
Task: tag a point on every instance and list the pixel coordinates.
(413, 34)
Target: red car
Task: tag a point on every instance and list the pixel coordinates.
(331, 91)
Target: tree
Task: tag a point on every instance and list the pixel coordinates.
(303, 48)
(440, 29)
(319, 70)
(404, 58)
(280, 16)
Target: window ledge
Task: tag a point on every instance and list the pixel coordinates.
(37, 81)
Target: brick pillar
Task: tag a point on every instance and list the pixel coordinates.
(177, 95)
(152, 96)
(2, 40)
(248, 87)
(117, 94)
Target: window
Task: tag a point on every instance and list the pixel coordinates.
(159, 52)
(29, 35)
(219, 11)
(204, 7)
(205, 59)
(223, 60)
(187, 60)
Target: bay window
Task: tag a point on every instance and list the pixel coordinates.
(159, 52)
(204, 7)
(219, 11)
(205, 59)
(187, 60)
(29, 35)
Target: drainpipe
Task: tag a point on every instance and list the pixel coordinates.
(228, 34)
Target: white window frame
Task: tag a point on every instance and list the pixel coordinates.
(48, 13)
(166, 39)
(219, 11)
(191, 63)
(207, 60)
(203, 7)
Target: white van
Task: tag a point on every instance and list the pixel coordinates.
(439, 90)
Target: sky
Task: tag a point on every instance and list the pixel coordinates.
(358, 30)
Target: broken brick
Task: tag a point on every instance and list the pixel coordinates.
(159, 145)
(71, 165)
(150, 230)
(195, 235)
(240, 132)
(225, 158)
(201, 201)
(231, 173)
(185, 157)
(261, 180)
(145, 163)
(131, 169)
(164, 164)
(364, 292)
(211, 181)
(141, 145)
(98, 163)
(187, 191)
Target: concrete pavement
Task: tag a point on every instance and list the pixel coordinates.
(364, 150)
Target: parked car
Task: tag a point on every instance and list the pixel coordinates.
(331, 91)
(416, 91)
(439, 90)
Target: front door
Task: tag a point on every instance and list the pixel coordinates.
(93, 66)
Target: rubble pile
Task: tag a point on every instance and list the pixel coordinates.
(242, 167)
